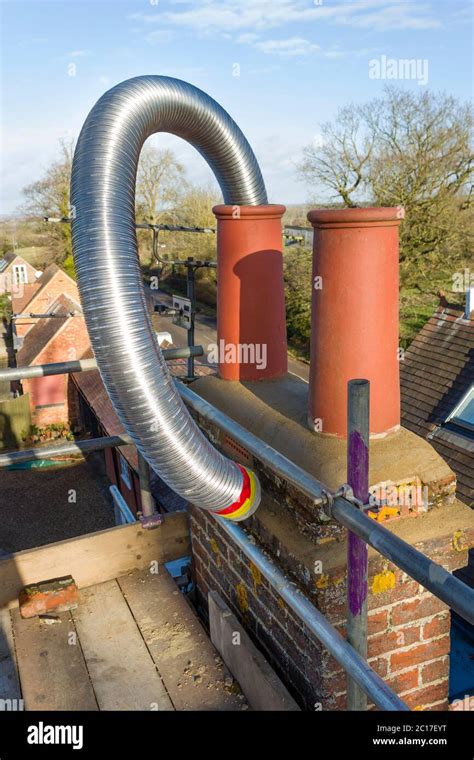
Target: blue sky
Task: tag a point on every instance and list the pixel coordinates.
(297, 60)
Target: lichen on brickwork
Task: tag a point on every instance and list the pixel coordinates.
(460, 542)
(215, 549)
(242, 598)
(256, 575)
(383, 581)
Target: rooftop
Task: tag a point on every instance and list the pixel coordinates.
(436, 373)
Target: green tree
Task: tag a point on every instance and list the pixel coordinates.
(297, 262)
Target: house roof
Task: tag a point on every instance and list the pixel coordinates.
(20, 301)
(7, 260)
(49, 273)
(436, 372)
(44, 330)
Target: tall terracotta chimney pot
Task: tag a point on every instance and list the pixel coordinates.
(250, 292)
(354, 323)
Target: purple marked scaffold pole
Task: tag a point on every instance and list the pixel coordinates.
(358, 406)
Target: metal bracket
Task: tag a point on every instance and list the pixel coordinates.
(345, 491)
(150, 522)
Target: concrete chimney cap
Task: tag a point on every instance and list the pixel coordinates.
(356, 217)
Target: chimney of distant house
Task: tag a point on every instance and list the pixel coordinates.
(354, 325)
(469, 309)
(251, 325)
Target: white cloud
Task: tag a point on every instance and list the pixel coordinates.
(223, 16)
(78, 53)
(292, 46)
(395, 16)
(248, 38)
(161, 35)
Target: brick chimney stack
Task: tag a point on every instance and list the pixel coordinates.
(354, 326)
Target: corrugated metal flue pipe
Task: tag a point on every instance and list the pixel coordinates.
(110, 281)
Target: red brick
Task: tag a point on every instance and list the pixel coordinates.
(200, 551)
(380, 665)
(439, 626)
(404, 681)
(408, 612)
(396, 594)
(427, 696)
(435, 670)
(70, 342)
(338, 703)
(418, 654)
(55, 595)
(440, 706)
(336, 683)
(377, 621)
(392, 640)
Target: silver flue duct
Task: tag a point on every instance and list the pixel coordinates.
(110, 281)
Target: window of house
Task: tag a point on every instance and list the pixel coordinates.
(20, 274)
(125, 472)
(462, 415)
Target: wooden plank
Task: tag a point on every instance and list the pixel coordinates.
(192, 671)
(122, 672)
(95, 557)
(52, 670)
(260, 683)
(9, 682)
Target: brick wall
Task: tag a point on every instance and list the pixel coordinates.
(408, 628)
(51, 400)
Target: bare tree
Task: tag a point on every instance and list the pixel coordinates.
(160, 185)
(49, 196)
(406, 149)
(339, 156)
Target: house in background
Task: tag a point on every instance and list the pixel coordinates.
(37, 299)
(16, 272)
(55, 339)
(437, 389)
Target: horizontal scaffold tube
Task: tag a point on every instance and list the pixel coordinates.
(456, 594)
(63, 449)
(110, 280)
(83, 365)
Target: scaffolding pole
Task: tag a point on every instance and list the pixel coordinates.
(357, 549)
(84, 365)
(148, 504)
(355, 666)
(63, 449)
(429, 574)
